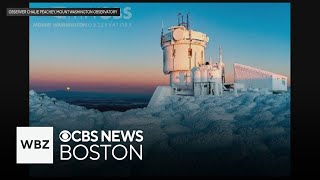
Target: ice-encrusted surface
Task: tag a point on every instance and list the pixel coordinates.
(244, 134)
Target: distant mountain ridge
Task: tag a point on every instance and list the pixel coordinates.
(101, 101)
(79, 94)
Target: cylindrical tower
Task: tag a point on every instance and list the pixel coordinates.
(183, 49)
(214, 75)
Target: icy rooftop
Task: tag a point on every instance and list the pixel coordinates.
(255, 125)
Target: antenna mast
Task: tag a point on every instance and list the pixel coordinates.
(220, 62)
(220, 54)
(182, 20)
(161, 41)
(179, 19)
(188, 21)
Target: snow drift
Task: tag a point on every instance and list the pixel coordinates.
(230, 135)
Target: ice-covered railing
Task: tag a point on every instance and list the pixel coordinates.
(246, 72)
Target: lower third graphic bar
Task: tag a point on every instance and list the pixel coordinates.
(63, 11)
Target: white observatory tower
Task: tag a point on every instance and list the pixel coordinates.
(184, 61)
(190, 75)
(183, 49)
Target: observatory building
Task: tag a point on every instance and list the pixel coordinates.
(250, 77)
(191, 75)
(184, 61)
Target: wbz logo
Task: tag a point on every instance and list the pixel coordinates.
(34, 145)
(37, 144)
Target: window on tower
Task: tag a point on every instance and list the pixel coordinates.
(173, 53)
(189, 52)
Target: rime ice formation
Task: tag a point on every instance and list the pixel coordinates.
(192, 75)
(251, 77)
(254, 125)
(184, 61)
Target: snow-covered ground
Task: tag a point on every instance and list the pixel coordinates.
(244, 134)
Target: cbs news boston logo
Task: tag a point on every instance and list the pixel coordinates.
(34, 145)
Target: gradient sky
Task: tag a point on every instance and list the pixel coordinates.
(115, 58)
